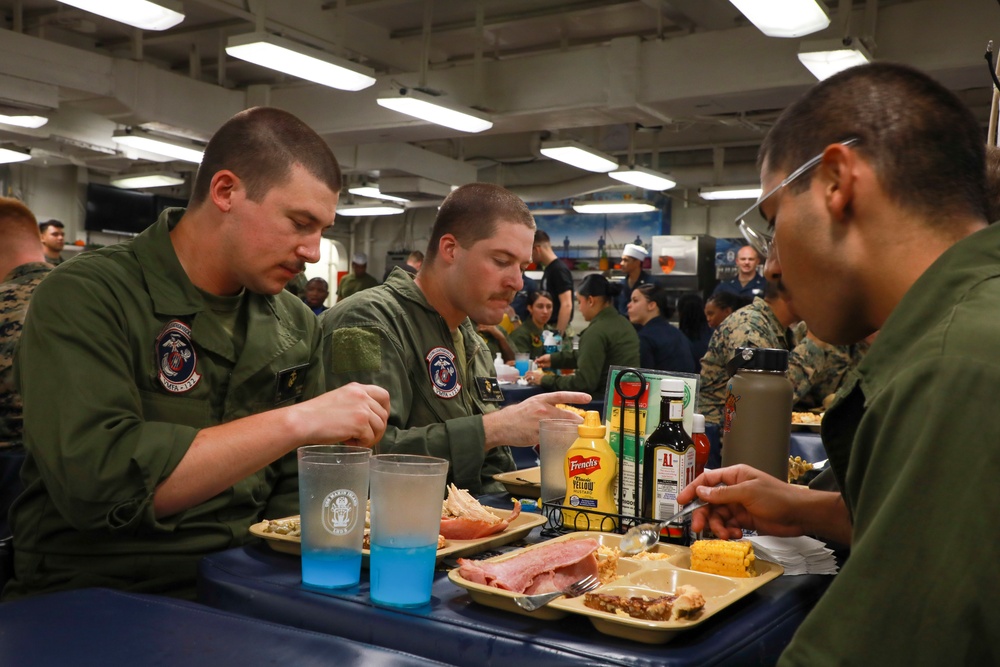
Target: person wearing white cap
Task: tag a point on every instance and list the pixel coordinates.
(358, 279)
(632, 258)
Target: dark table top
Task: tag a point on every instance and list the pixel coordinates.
(259, 582)
(104, 628)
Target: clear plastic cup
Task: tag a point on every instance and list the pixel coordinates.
(555, 436)
(333, 496)
(522, 362)
(406, 493)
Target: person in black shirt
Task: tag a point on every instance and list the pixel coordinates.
(556, 280)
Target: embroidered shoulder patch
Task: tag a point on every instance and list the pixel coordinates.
(354, 349)
(176, 358)
(444, 375)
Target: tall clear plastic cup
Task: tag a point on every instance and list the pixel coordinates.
(333, 496)
(555, 437)
(406, 493)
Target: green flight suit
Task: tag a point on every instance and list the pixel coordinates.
(114, 393)
(912, 439)
(351, 284)
(609, 340)
(390, 336)
(528, 338)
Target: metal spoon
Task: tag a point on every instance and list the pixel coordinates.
(642, 537)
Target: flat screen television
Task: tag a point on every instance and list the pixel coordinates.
(116, 211)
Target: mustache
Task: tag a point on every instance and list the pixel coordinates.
(506, 296)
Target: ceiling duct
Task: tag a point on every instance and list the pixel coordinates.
(414, 188)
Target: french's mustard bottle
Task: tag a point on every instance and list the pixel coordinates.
(591, 469)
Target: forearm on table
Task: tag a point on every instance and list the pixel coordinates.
(222, 455)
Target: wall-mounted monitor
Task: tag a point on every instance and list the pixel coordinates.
(116, 211)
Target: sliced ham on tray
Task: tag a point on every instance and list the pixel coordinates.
(547, 568)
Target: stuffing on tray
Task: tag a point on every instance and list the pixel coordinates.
(685, 602)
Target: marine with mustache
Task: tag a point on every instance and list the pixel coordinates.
(413, 336)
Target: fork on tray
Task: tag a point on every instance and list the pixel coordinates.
(577, 588)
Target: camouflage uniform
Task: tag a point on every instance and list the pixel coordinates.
(820, 368)
(15, 291)
(755, 325)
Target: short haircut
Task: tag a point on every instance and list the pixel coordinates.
(416, 256)
(658, 295)
(16, 219)
(319, 281)
(755, 252)
(542, 237)
(924, 145)
(43, 226)
(260, 145)
(728, 300)
(472, 212)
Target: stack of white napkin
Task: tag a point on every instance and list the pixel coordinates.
(798, 555)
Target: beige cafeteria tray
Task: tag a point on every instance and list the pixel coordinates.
(651, 578)
(517, 529)
(524, 483)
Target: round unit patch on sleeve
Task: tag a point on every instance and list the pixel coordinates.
(176, 358)
(444, 375)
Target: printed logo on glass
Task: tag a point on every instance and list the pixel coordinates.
(340, 511)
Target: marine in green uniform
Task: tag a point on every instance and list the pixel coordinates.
(414, 336)
(912, 436)
(195, 376)
(609, 340)
(528, 337)
(358, 279)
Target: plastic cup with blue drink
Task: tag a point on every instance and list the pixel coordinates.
(406, 495)
(333, 497)
(522, 362)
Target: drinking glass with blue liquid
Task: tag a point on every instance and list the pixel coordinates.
(406, 493)
(333, 499)
(522, 362)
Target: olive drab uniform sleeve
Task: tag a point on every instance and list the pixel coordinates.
(142, 367)
(609, 340)
(391, 337)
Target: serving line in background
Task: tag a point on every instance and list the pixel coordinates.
(264, 584)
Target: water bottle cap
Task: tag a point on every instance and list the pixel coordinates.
(758, 359)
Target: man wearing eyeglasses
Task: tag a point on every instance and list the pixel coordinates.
(883, 227)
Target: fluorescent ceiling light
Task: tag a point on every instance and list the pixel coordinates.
(824, 58)
(644, 178)
(369, 209)
(145, 141)
(145, 14)
(731, 192)
(784, 18)
(576, 154)
(31, 122)
(7, 155)
(434, 109)
(373, 192)
(147, 180)
(613, 206)
(305, 62)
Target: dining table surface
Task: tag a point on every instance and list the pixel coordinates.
(260, 582)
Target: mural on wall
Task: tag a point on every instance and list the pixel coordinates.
(582, 241)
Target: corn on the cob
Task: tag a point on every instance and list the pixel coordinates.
(730, 559)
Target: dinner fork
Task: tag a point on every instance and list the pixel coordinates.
(577, 588)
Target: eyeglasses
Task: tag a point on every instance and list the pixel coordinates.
(756, 228)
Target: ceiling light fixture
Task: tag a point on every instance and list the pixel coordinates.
(7, 156)
(641, 177)
(30, 122)
(613, 206)
(144, 14)
(154, 179)
(144, 141)
(724, 192)
(826, 57)
(373, 192)
(784, 18)
(578, 155)
(434, 109)
(305, 62)
(369, 209)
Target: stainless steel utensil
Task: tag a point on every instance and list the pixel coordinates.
(642, 537)
(577, 588)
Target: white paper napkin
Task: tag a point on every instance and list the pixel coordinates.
(798, 555)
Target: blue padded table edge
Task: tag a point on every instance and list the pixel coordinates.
(101, 627)
(259, 582)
